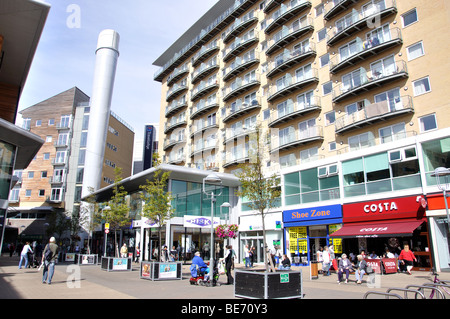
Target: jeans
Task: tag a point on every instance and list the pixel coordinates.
(247, 262)
(281, 267)
(326, 268)
(359, 275)
(341, 274)
(49, 270)
(22, 257)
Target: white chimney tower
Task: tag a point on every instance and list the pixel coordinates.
(107, 54)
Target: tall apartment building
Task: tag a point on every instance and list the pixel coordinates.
(354, 96)
(53, 180)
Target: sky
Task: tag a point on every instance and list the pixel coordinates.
(65, 56)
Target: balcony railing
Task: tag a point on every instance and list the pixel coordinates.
(177, 74)
(204, 70)
(174, 123)
(239, 25)
(240, 65)
(232, 134)
(204, 146)
(296, 138)
(334, 7)
(362, 49)
(239, 45)
(241, 85)
(175, 106)
(367, 80)
(289, 34)
(360, 19)
(175, 91)
(291, 83)
(290, 58)
(202, 107)
(173, 140)
(240, 108)
(284, 13)
(235, 158)
(201, 126)
(294, 110)
(205, 52)
(374, 112)
(203, 89)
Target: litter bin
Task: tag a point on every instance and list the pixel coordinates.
(314, 270)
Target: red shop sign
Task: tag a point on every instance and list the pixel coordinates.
(391, 208)
(375, 264)
(390, 265)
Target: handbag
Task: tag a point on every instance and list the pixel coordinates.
(48, 255)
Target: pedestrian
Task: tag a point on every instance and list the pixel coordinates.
(345, 266)
(11, 249)
(334, 262)
(247, 256)
(49, 258)
(319, 255)
(406, 258)
(173, 254)
(124, 251)
(24, 254)
(229, 263)
(361, 268)
(326, 261)
(252, 256)
(285, 263)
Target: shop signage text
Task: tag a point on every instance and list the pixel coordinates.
(381, 207)
(303, 214)
(199, 221)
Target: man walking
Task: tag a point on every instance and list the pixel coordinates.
(49, 258)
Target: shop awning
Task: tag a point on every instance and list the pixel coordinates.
(390, 228)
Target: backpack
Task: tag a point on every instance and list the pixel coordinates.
(48, 255)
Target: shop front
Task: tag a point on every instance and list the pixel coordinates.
(389, 224)
(439, 231)
(308, 230)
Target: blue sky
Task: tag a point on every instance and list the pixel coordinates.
(65, 56)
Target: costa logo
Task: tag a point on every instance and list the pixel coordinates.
(373, 229)
(381, 207)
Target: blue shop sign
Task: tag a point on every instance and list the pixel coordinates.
(313, 215)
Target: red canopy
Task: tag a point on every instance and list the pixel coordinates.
(390, 228)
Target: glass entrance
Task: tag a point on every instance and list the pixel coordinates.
(255, 241)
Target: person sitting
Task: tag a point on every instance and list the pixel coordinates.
(361, 268)
(345, 266)
(198, 261)
(285, 263)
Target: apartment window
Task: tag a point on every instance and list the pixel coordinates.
(81, 156)
(327, 88)
(83, 139)
(51, 122)
(65, 121)
(48, 139)
(358, 142)
(28, 193)
(14, 195)
(287, 160)
(409, 17)
(266, 114)
(415, 51)
(392, 133)
(58, 175)
(46, 156)
(308, 155)
(392, 97)
(41, 193)
(30, 175)
(26, 124)
(307, 129)
(60, 157)
(330, 118)
(38, 122)
(421, 86)
(319, 9)
(56, 194)
(305, 100)
(63, 139)
(332, 146)
(321, 34)
(44, 174)
(324, 59)
(428, 123)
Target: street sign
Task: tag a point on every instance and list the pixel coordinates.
(106, 225)
(106, 231)
(284, 278)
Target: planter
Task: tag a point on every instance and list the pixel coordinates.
(283, 284)
(116, 264)
(151, 270)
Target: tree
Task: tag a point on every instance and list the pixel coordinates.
(156, 199)
(58, 224)
(260, 190)
(117, 215)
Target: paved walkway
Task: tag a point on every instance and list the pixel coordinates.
(94, 283)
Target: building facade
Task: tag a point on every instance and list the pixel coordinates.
(352, 95)
(53, 180)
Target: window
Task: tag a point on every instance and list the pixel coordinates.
(60, 157)
(26, 124)
(65, 121)
(319, 9)
(332, 146)
(30, 175)
(46, 156)
(327, 88)
(409, 17)
(48, 139)
(56, 194)
(361, 141)
(51, 122)
(428, 123)
(58, 176)
(63, 139)
(392, 97)
(14, 195)
(28, 193)
(321, 34)
(41, 192)
(415, 51)
(305, 100)
(421, 86)
(308, 155)
(324, 59)
(44, 174)
(392, 133)
(307, 129)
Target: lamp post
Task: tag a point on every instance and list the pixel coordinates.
(226, 204)
(215, 180)
(442, 175)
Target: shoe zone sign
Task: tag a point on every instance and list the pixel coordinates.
(312, 215)
(200, 221)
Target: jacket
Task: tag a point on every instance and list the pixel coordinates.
(361, 265)
(197, 260)
(54, 249)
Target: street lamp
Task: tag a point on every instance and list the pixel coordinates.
(215, 180)
(442, 175)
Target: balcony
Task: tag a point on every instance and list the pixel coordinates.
(175, 91)
(202, 107)
(204, 146)
(177, 74)
(204, 70)
(367, 80)
(175, 106)
(176, 158)
(271, 5)
(57, 180)
(173, 140)
(359, 20)
(241, 85)
(294, 110)
(239, 25)
(289, 59)
(235, 158)
(203, 89)
(362, 50)
(333, 8)
(240, 65)
(285, 13)
(173, 124)
(240, 108)
(233, 134)
(201, 126)
(205, 52)
(296, 138)
(374, 112)
(289, 34)
(240, 45)
(291, 83)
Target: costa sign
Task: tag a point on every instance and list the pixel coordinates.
(393, 208)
